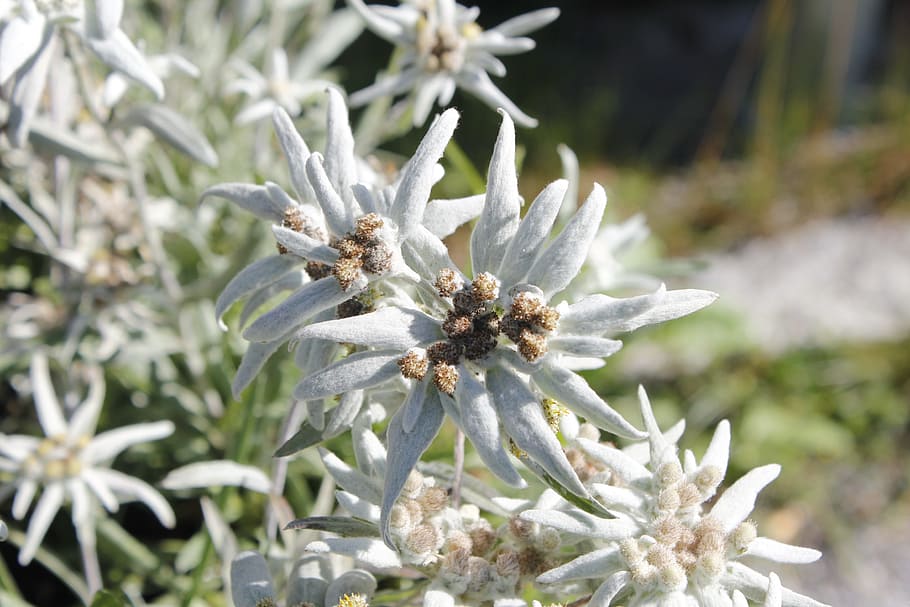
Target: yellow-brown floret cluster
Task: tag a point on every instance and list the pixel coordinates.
(528, 323)
(294, 219)
(363, 250)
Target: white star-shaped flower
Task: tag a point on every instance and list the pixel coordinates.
(442, 48)
(71, 463)
(667, 546)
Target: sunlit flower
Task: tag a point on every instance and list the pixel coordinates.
(667, 544)
(442, 48)
(493, 352)
(71, 463)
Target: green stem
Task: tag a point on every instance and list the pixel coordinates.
(6, 580)
(463, 164)
(55, 566)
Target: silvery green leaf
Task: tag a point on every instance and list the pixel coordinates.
(369, 452)
(28, 88)
(600, 313)
(387, 328)
(675, 304)
(356, 372)
(413, 404)
(222, 473)
(404, 450)
(574, 392)
(584, 345)
(296, 152)
(340, 163)
(173, 129)
(251, 583)
(581, 523)
(607, 591)
(349, 479)
(561, 261)
(661, 449)
(309, 300)
(249, 197)
(477, 417)
(755, 585)
(774, 597)
(307, 583)
(58, 140)
(426, 254)
(590, 565)
(20, 39)
(499, 218)
(289, 282)
(344, 526)
(315, 413)
(532, 233)
(417, 180)
(344, 413)
(718, 452)
(738, 500)
(304, 438)
(771, 550)
(255, 357)
(626, 468)
(102, 17)
(254, 277)
(337, 214)
(358, 508)
(119, 53)
(364, 550)
(443, 217)
(305, 246)
(619, 498)
(523, 420)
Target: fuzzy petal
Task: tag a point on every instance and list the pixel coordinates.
(478, 419)
(254, 277)
(581, 523)
(387, 328)
(304, 246)
(404, 450)
(309, 300)
(217, 473)
(498, 221)
(50, 416)
(414, 190)
(735, 504)
(48, 506)
(771, 550)
(561, 261)
(365, 550)
(295, 151)
(607, 591)
(337, 214)
(573, 391)
(340, 164)
(522, 418)
(249, 197)
(443, 217)
(107, 445)
(134, 488)
(593, 564)
(532, 233)
(356, 372)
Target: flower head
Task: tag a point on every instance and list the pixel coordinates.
(667, 545)
(70, 462)
(443, 48)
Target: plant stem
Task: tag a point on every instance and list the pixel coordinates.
(460, 160)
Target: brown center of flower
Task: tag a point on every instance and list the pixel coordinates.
(364, 250)
(528, 324)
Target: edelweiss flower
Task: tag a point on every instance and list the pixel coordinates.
(665, 547)
(464, 559)
(345, 235)
(271, 90)
(71, 462)
(311, 583)
(27, 45)
(492, 351)
(444, 49)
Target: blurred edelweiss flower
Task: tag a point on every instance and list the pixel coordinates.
(443, 49)
(72, 462)
(275, 88)
(492, 352)
(311, 583)
(664, 547)
(28, 41)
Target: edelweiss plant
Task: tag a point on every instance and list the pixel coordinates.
(115, 275)
(664, 545)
